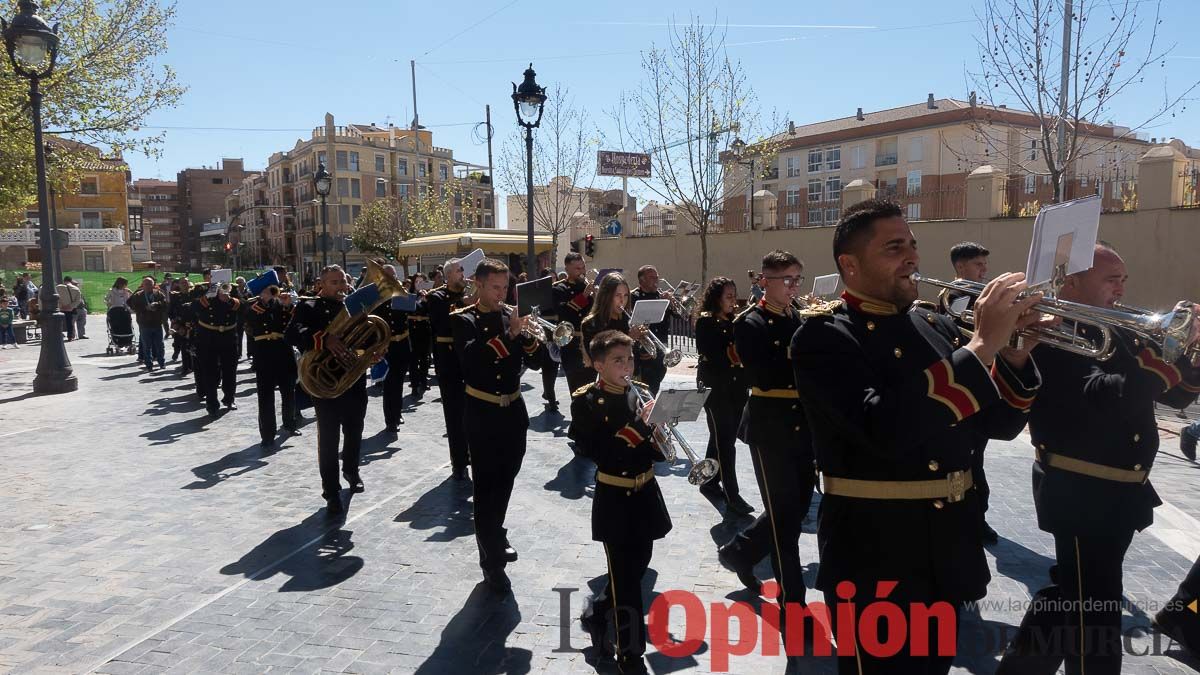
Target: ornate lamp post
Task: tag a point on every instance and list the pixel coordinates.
(32, 48)
(323, 183)
(739, 151)
(529, 101)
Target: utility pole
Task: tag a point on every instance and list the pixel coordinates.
(1062, 98)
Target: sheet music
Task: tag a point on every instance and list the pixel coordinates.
(826, 284)
(649, 312)
(678, 405)
(471, 261)
(1063, 233)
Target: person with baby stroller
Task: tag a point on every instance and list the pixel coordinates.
(118, 318)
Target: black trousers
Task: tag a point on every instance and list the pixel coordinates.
(621, 604)
(497, 436)
(340, 417)
(786, 482)
(419, 360)
(274, 368)
(723, 409)
(393, 385)
(981, 484)
(1190, 588)
(1084, 636)
(453, 392)
(651, 372)
(549, 376)
(578, 375)
(862, 661)
(217, 364)
(182, 347)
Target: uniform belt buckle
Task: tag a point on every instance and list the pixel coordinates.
(504, 400)
(639, 481)
(956, 486)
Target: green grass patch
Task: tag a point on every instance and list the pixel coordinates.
(96, 284)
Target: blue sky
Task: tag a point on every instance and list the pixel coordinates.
(274, 67)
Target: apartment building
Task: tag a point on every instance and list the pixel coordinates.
(154, 233)
(201, 200)
(368, 162)
(94, 215)
(920, 155)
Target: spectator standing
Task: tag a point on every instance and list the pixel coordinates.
(21, 292)
(69, 300)
(81, 313)
(7, 314)
(149, 305)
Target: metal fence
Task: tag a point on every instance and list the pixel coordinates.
(1025, 195)
(1191, 186)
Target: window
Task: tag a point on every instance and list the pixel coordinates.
(420, 169)
(402, 167)
(1100, 189)
(443, 172)
(814, 190)
(218, 181)
(816, 216)
(914, 182)
(793, 196)
(793, 168)
(1033, 150)
(858, 157)
(1083, 181)
(380, 187)
(792, 219)
(814, 161)
(1045, 180)
(833, 189)
(90, 220)
(487, 220)
(1030, 184)
(89, 185)
(422, 191)
(344, 214)
(916, 149)
(380, 164)
(833, 159)
(321, 158)
(343, 187)
(355, 188)
(353, 161)
(914, 211)
(403, 190)
(93, 261)
(32, 219)
(832, 215)
(343, 159)
(356, 211)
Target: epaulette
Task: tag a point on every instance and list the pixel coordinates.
(643, 385)
(820, 309)
(582, 390)
(460, 310)
(746, 311)
(924, 304)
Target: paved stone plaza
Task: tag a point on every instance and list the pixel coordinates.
(140, 536)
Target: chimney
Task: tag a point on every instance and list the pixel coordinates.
(859, 116)
(973, 99)
(930, 104)
(1003, 106)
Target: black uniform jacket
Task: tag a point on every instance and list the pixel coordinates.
(438, 304)
(571, 303)
(893, 396)
(397, 321)
(307, 328)
(719, 366)
(1102, 412)
(490, 359)
(660, 328)
(762, 333)
(215, 312)
(595, 325)
(608, 432)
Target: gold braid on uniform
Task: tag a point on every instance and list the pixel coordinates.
(582, 390)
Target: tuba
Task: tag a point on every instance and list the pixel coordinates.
(367, 337)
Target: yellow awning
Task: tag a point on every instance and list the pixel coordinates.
(491, 241)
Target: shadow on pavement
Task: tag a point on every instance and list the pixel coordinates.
(446, 506)
(573, 478)
(311, 567)
(231, 465)
(377, 448)
(474, 639)
(169, 433)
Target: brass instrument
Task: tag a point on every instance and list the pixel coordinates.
(652, 346)
(529, 329)
(703, 470)
(683, 303)
(1170, 331)
(469, 288)
(561, 333)
(367, 337)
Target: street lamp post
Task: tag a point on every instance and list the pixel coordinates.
(739, 149)
(322, 182)
(32, 48)
(529, 101)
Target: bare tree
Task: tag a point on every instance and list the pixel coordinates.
(387, 222)
(692, 103)
(564, 166)
(1069, 92)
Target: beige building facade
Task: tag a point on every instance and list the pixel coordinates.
(569, 211)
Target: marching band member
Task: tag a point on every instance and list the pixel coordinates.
(720, 370)
(895, 396)
(1180, 617)
(437, 306)
(970, 261)
(651, 370)
(274, 362)
(608, 312)
(179, 312)
(774, 427)
(419, 338)
(572, 300)
(628, 511)
(216, 347)
(491, 343)
(549, 367)
(343, 415)
(398, 354)
(1096, 438)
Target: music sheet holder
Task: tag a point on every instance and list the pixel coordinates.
(826, 285)
(537, 293)
(470, 261)
(649, 312)
(678, 405)
(405, 302)
(1064, 241)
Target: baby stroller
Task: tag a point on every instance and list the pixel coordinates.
(120, 331)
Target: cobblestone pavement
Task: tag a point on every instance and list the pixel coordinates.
(140, 536)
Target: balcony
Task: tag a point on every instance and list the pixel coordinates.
(887, 159)
(21, 236)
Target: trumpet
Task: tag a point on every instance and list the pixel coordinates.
(682, 303)
(1170, 332)
(703, 470)
(652, 346)
(561, 333)
(469, 288)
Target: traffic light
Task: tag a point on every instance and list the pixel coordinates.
(575, 246)
(589, 246)
(228, 246)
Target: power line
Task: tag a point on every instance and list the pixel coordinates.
(277, 129)
(443, 42)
